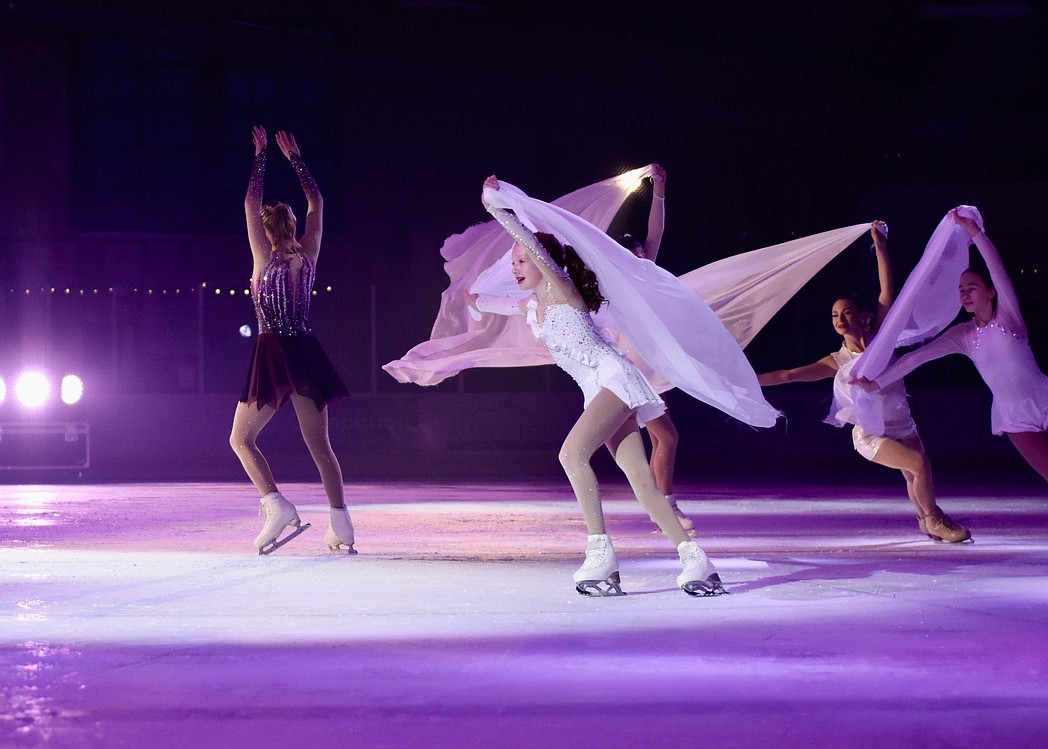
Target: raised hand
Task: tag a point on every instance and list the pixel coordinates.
(658, 180)
(969, 225)
(287, 144)
(258, 135)
(879, 232)
(491, 182)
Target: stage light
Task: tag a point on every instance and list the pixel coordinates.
(72, 389)
(32, 389)
(3, 390)
(631, 180)
(245, 331)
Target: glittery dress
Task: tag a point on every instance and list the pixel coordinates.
(575, 344)
(1004, 359)
(287, 357)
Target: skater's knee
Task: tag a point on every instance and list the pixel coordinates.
(241, 443)
(571, 459)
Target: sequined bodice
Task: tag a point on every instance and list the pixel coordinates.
(282, 294)
(1003, 357)
(570, 336)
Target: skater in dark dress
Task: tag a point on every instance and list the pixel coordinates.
(288, 362)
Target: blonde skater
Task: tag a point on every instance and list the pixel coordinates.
(288, 362)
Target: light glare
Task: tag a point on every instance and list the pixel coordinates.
(72, 389)
(3, 390)
(32, 389)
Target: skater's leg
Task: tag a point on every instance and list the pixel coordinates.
(314, 426)
(248, 422)
(908, 456)
(664, 440)
(627, 448)
(1033, 446)
(601, 419)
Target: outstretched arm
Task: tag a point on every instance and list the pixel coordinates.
(557, 277)
(1007, 299)
(256, 233)
(879, 232)
(823, 369)
(950, 342)
(314, 200)
(657, 215)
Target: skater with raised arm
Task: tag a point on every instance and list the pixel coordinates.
(288, 363)
(563, 293)
(897, 445)
(996, 341)
(661, 429)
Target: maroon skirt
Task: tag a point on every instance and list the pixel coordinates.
(282, 365)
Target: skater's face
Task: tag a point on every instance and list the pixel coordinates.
(848, 319)
(976, 296)
(524, 269)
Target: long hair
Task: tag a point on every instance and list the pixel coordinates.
(279, 220)
(584, 279)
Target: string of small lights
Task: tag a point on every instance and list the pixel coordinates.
(203, 288)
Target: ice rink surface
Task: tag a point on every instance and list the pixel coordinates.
(139, 615)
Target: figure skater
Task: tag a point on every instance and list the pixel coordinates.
(288, 362)
(563, 294)
(995, 339)
(899, 446)
(661, 429)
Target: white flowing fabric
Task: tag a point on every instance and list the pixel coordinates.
(461, 337)
(666, 323)
(747, 290)
(927, 303)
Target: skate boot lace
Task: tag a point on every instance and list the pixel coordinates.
(596, 554)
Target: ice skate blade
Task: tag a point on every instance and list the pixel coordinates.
(271, 546)
(711, 586)
(962, 542)
(612, 587)
(347, 551)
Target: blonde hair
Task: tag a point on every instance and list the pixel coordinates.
(279, 220)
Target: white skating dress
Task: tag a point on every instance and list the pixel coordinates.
(898, 422)
(578, 348)
(572, 339)
(1000, 351)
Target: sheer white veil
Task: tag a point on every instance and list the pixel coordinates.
(665, 322)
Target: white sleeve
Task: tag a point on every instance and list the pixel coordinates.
(950, 342)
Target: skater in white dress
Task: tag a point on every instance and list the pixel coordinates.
(898, 446)
(618, 400)
(995, 339)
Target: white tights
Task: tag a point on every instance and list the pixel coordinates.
(609, 421)
(248, 422)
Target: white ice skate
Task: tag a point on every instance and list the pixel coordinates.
(340, 532)
(279, 514)
(599, 574)
(699, 577)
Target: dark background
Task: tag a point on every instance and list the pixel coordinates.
(125, 151)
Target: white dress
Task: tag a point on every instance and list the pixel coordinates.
(1000, 351)
(898, 422)
(578, 348)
